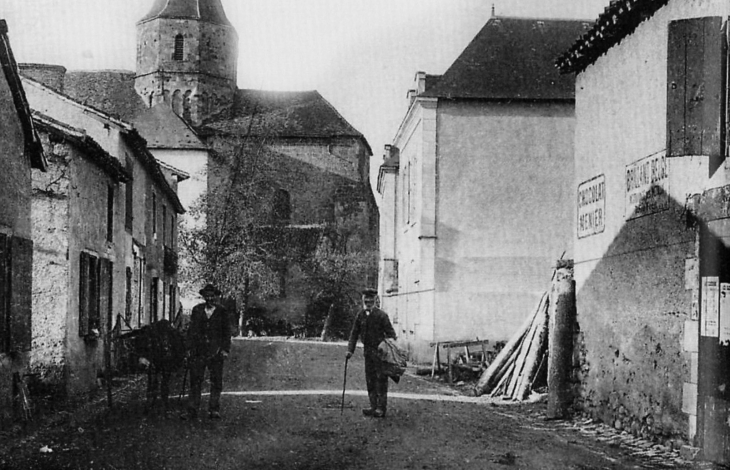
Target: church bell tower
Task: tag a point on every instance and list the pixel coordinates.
(187, 56)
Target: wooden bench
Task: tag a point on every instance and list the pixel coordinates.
(449, 345)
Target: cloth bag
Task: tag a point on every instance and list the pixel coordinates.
(393, 358)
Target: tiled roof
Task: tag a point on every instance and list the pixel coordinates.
(282, 114)
(33, 146)
(163, 129)
(210, 11)
(88, 145)
(511, 58)
(109, 91)
(619, 19)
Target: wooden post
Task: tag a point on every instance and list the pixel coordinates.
(448, 361)
(562, 320)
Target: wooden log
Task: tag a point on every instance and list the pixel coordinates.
(500, 387)
(536, 350)
(562, 321)
(486, 381)
(524, 351)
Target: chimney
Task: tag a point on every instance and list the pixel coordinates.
(386, 155)
(51, 76)
(411, 97)
(420, 82)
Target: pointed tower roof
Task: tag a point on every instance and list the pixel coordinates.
(210, 11)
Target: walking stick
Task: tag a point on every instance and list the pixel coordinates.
(344, 384)
(185, 377)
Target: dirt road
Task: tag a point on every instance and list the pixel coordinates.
(282, 410)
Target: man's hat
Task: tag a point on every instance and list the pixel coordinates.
(370, 292)
(209, 289)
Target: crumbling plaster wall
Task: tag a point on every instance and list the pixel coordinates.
(50, 263)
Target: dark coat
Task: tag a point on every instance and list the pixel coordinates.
(207, 337)
(371, 330)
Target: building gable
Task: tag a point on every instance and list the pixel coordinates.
(511, 58)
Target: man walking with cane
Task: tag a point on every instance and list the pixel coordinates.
(209, 342)
(372, 326)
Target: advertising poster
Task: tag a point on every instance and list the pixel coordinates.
(709, 325)
(725, 313)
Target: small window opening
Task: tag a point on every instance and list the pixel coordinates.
(179, 47)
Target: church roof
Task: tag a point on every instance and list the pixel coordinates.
(163, 129)
(282, 114)
(512, 58)
(109, 91)
(210, 11)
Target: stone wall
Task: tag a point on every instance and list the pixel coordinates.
(15, 206)
(635, 281)
(319, 196)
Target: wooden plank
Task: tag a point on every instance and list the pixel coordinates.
(459, 344)
(676, 86)
(713, 80)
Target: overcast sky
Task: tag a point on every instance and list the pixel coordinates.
(361, 55)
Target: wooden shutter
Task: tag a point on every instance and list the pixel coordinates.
(21, 294)
(695, 87)
(84, 276)
(4, 294)
(105, 292)
(129, 197)
(94, 288)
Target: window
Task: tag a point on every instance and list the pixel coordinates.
(154, 297)
(172, 230)
(173, 312)
(95, 284)
(164, 225)
(179, 52)
(129, 197)
(154, 215)
(695, 91)
(110, 214)
(16, 276)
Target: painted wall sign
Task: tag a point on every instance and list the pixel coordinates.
(647, 186)
(592, 206)
(709, 325)
(725, 313)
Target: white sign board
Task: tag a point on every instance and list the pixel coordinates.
(647, 186)
(725, 313)
(709, 312)
(592, 206)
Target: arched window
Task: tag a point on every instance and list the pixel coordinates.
(179, 52)
(282, 207)
(177, 102)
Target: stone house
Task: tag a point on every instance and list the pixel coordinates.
(651, 185)
(78, 234)
(185, 102)
(105, 225)
(20, 151)
(476, 197)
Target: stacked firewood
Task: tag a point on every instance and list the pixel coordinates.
(512, 373)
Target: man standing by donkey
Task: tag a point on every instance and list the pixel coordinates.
(208, 342)
(372, 326)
